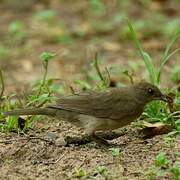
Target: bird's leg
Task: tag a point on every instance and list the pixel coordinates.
(99, 140)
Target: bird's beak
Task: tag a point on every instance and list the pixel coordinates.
(163, 98)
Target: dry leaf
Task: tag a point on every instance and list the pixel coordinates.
(151, 130)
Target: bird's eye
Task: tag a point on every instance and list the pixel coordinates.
(151, 91)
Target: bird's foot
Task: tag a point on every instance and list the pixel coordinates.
(102, 142)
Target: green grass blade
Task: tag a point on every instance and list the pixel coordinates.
(145, 56)
(150, 67)
(164, 62)
(173, 40)
(165, 56)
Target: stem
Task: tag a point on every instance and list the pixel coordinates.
(97, 67)
(2, 84)
(72, 90)
(130, 78)
(109, 77)
(44, 78)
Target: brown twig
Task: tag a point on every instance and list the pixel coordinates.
(72, 90)
(109, 77)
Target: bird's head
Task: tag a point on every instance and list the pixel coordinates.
(147, 92)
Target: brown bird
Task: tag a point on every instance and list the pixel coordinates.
(100, 111)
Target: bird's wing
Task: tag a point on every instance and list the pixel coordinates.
(114, 105)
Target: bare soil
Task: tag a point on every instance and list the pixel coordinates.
(41, 154)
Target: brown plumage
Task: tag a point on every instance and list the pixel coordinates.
(99, 111)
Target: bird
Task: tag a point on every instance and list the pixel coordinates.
(100, 110)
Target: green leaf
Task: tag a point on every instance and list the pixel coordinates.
(161, 159)
(46, 56)
(175, 170)
(12, 122)
(102, 170)
(115, 151)
(15, 26)
(83, 84)
(46, 15)
(80, 172)
(97, 7)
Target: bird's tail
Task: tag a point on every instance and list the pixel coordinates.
(35, 111)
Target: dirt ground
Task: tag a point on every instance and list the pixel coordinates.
(41, 153)
(46, 157)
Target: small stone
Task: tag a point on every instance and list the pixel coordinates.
(60, 142)
(51, 136)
